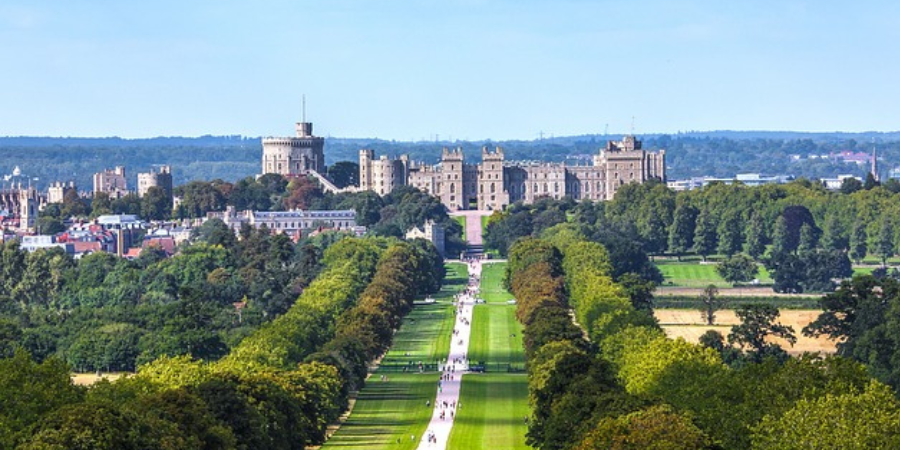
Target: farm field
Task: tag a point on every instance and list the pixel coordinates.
(687, 324)
(492, 412)
(492, 283)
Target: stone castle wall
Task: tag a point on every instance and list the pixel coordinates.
(494, 183)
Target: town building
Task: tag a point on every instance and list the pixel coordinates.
(495, 183)
(430, 231)
(292, 156)
(162, 178)
(289, 222)
(111, 182)
(56, 193)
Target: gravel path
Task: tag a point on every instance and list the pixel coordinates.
(447, 403)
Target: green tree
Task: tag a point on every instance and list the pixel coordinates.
(737, 269)
(29, 391)
(884, 242)
(780, 244)
(681, 233)
(858, 241)
(850, 185)
(730, 231)
(808, 240)
(866, 420)
(710, 304)
(156, 204)
(654, 428)
(834, 234)
(344, 173)
(758, 324)
(705, 237)
(756, 238)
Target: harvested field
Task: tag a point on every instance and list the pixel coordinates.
(687, 324)
(87, 379)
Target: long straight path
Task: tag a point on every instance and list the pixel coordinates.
(447, 400)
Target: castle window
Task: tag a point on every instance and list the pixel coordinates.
(546, 187)
(535, 190)
(492, 189)
(452, 189)
(555, 187)
(482, 189)
(631, 175)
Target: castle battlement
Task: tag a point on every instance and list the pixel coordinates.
(494, 183)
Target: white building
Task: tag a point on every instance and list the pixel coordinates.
(288, 221)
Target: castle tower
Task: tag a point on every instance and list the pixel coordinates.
(366, 156)
(453, 181)
(492, 193)
(874, 165)
(291, 156)
(28, 208)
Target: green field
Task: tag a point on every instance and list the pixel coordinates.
(694, 274)
(388, 411)
(492, 283)
(496, 336)
(392, 410)
(492, 412)
(461, 220)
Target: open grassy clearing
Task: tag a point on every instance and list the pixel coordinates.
(696, 274)
(496, 335)
(492, 283)
(492, 412)
(687, 324)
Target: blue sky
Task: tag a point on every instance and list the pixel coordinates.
(460, 69)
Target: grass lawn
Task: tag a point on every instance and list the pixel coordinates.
(492, 412)
(694, 274)
(387, 411)
(461, 220)
(484, 222)
(492, 283)
(424, 334)
(492, 340)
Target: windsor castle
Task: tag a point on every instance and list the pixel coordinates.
(492, 184)
(495, 182)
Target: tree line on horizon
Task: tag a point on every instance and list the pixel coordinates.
(231, 158)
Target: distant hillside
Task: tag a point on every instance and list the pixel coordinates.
(717, 153)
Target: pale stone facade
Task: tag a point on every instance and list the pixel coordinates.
(56, 193)
(112, 182)
(430, 231)
(294, 155)
(288, 221)
(162, 178)
(495, 183)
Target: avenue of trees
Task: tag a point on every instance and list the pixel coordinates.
(277, 388)
(615, 380)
